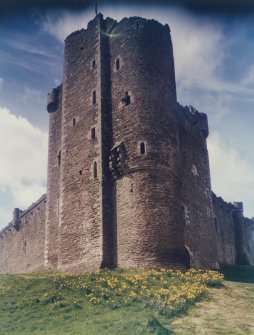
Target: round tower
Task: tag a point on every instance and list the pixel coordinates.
(144, 160)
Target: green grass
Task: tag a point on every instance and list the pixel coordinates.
(131, 302)
(229, 311)
(107, 302)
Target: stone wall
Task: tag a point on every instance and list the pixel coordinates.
(148, 226)
(225, 230)
(248, 240)
(234, 233)
(22, 243)
(197, 211)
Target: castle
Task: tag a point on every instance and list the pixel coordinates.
(128, 169)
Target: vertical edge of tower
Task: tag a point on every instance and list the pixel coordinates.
(54, 108)
(105, 26)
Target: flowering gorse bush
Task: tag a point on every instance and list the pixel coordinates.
(167, 291)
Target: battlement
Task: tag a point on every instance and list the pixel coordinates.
(193, 121)
(235, 207)
(219, 202)
(111, 26)
(53, 100)
(136, 22)
(19, 214)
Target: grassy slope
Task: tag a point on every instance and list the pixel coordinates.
(230, 310)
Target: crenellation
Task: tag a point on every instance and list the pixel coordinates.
(128, 168)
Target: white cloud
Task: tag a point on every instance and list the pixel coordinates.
(61, 25)
(32, 94)
(23, 157)
(248, 79)
(5, 217)
(57, 81)
(232, 176)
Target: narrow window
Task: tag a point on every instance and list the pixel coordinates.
(94, 170)
(93, 133)
(73, 122)
(80, 172)
(126, 100)
(59, 158)
(94, 97)
(142, 148)
(137, 25)
(117, 64)
(93, 63)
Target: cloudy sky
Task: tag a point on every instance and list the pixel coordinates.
(214, 53)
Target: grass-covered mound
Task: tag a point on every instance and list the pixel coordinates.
(104, 302)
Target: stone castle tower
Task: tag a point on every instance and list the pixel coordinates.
(125, 160)
(128, 169)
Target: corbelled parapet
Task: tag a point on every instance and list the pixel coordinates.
(53, 100)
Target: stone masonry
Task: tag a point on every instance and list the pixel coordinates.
(128, 169)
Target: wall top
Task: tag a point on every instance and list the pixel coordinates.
(109, 24)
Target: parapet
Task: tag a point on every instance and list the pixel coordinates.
(193, 121)
(53, 99)
(220, 203)
(238, 206)
(18, 214)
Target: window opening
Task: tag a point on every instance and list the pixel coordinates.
(93, 134)
(126, 100)
(94, 170)
(80, 172)
(73, 122)
(94, 97)
(117, 64)
(93, 63)
(142, 148)
(59, 158)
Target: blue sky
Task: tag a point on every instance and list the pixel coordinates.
(214, 73)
